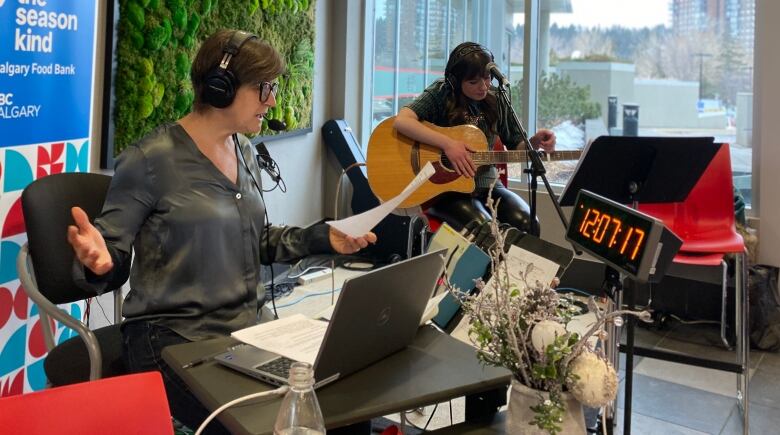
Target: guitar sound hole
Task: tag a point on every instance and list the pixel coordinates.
(445, 161)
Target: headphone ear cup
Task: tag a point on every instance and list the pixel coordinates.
(219, 88)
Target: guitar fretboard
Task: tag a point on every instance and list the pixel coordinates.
(490, 157)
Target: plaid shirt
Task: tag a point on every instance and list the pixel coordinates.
(431, 106)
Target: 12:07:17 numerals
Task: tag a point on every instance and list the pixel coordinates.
(607, 230)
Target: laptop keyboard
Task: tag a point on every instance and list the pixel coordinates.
(279, 367)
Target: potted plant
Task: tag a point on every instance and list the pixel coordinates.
(522, 327)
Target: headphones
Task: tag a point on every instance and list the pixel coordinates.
(461, 52)
(220, 85)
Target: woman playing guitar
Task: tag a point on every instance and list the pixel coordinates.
(465, 96)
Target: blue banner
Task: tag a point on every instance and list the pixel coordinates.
(47, 52)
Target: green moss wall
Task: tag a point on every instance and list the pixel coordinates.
(157, 40)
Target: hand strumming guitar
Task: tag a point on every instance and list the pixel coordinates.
(459, 155)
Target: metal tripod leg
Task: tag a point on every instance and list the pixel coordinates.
(613, 356)
(741, 323)
(724, 305)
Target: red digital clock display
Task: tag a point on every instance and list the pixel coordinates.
(610, 231)
(602, 228)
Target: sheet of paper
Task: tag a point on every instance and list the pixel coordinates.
(326, 314)
(297, 337)
(526, 267)
(432, 308)
(362, 223)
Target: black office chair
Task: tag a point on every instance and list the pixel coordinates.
(45, 267)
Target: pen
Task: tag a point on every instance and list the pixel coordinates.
(197, 362)
(207, 358)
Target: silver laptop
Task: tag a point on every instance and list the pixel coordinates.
(377, 314)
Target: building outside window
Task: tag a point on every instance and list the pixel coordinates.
(411, 42)
(682, 67)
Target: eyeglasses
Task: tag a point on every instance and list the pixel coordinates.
(266, 89)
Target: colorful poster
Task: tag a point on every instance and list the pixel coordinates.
(47, 59)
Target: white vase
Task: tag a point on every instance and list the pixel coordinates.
(519, 415)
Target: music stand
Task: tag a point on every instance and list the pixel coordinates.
(640, 169)
(630, 170)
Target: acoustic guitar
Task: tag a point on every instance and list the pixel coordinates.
(393, 160)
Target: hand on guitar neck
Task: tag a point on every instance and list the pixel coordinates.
(393, 160)
(543, 140)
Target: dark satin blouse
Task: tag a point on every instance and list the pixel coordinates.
(198, 238)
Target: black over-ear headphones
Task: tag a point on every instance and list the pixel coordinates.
(220, 85)
(461, 52)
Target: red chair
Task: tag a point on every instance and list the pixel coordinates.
(705, 222)
(122, 405)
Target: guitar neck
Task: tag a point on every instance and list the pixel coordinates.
(519, 156)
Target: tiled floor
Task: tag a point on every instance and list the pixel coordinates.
(675, 398)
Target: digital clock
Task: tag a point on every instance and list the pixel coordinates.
(626, 239)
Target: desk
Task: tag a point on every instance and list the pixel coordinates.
(434, 368)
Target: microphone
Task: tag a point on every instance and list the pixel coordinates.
(276, 125)
(496, 73)
(266, 162)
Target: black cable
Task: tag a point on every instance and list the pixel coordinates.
(104, 311)
(425, 429)
(267, 220)
(267, 163)
(276, 175)
(85, 319)
(282, 289)
(268, 251)
(354, 263)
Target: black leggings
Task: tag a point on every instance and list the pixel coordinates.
(458, 209)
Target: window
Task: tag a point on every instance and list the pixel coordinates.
(648, 68)
(680, 67)
(411, 42)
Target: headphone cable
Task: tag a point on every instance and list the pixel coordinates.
(266, 227)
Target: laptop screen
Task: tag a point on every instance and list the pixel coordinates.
(377, 314)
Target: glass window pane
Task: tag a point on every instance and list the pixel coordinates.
(515, 36)
(412, 40)
(438, 48)
(515, 42)
(383, 92)
(411, 71)
(684, 67)
(457, 19)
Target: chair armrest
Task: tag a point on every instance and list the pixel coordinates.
(26, 274)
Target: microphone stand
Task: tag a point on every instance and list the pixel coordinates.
(537, 167)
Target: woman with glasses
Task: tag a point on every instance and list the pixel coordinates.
(465, 96)
(186, 199)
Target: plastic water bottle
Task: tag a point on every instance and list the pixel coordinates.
(300, 412)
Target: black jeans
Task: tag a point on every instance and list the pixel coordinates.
(143, 343)
(459, 209)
